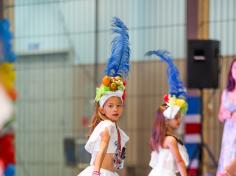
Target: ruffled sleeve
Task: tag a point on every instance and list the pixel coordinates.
(124, 138)
(154, 159)
(94, 140)
(184, 154)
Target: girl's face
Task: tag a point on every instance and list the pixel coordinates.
(113, 108)
(175, 123)
(233, 70)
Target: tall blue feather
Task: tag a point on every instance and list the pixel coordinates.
(175, 84)
(6, 55)
(118, 63)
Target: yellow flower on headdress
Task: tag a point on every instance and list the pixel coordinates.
(7, 75)
(180, 102)
(173, 101)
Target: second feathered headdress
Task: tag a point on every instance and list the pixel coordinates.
(114, 81)
(176, 99)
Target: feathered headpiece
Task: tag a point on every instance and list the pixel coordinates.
(113, 83)
(6, 53)
(7, 76)
(177, 93)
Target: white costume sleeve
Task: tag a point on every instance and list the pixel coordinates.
(124, 138)
(184, 154)
(94, 140)
(154, 159)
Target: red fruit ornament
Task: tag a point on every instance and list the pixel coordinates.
(124, 96)
(124, 83)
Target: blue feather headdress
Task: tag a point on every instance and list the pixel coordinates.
(177, 92)
(116, 72)
(6, 53)
(175, 84)
(118, 64)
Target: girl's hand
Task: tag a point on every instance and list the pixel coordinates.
(222, 174)
(233, 116)
(96, 173)
(224, 114)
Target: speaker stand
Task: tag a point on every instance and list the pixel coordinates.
(203, 145)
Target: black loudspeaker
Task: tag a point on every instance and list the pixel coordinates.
(203, 64)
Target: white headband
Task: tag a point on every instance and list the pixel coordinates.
(171, 112)
(109, 94)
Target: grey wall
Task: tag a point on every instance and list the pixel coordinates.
(44, 113)
(57, 25)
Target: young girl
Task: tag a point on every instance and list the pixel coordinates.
(107, 141)
(169, 156)
(227, 115)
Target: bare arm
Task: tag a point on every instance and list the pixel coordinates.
(233, 116)
(105, 137)
(223, 113)
(173, 146)
(231, 169)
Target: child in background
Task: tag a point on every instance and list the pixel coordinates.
(227, 115)
(107, 141)
(169, 156)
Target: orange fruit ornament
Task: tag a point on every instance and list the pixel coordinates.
(113, 86)
(106, 80)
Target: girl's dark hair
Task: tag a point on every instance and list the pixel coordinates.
(96, 118)
(231, 81)
(159, 129)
